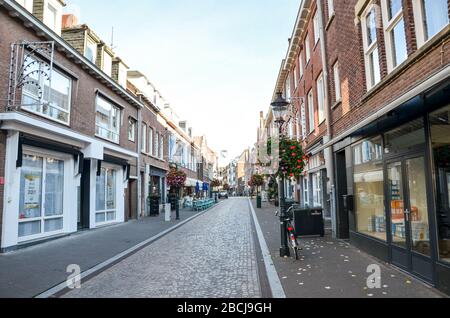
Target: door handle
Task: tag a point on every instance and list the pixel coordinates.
(407, 213)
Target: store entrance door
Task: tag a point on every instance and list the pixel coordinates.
(410, 246)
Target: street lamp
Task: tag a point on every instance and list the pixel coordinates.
(279, 109)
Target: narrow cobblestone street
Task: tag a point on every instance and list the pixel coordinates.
(212, 256)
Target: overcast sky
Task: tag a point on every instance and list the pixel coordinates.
(215, 61)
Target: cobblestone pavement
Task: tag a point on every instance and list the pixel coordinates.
(213, 256)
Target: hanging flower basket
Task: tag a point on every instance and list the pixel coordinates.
(176, 178)
(292, 159)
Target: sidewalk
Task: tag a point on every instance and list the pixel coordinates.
(31, 271)
(333, 269)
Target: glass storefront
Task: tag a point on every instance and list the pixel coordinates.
(41, 196)
(440, 140)
(369, 188)
(106, 196)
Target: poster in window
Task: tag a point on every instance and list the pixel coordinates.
(32, 191)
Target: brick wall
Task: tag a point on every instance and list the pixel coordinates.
(75, 37)
(84, 85)
(38, 9)
(357, 103)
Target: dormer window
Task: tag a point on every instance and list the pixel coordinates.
(50, 17)
(91, 50)
(107, 63)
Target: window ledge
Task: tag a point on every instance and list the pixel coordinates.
(109, 140)
(336, 104)
(330, 20)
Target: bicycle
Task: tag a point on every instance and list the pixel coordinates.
(292, 237)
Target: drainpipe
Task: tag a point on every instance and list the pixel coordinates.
(328, 152)
(139, 146)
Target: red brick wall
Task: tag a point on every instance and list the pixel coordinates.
(357, 103)
(82, 117)
(311, 72)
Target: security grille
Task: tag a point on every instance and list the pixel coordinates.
(31, 68)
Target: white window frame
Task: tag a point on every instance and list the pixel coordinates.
(306, 190)
(151, 149)
(300, 64)
(156, 154)
(389, 26)
(116, 209)
(41, 102)
(419, 17)
(303, 121)
(316, 26)
(116, 134)
(144, 138)
(107, 63)
(311, 112)
(65, 159)
(369, 49)
(131, 129)
(330, 8)
(288, 88)
(320, 86)
(307, 49)
(294, 71)
(161, 147)
(337, 82)
(317, 189)
(91, 44)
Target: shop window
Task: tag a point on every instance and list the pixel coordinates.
(368, 180)
(106, 201)
(38, 97)
(107, 120)
(41, 196)
(370, 43)
(394, 30)
(430, 16)
(440, 138)
(405, 137)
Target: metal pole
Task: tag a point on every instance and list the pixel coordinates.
(177, 204)
(284, 249)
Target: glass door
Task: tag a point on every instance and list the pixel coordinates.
(409, 222)
(41, 197)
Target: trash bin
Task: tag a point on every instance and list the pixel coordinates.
(258, 202)
(309, 221)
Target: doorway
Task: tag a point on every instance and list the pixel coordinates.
(407, 196)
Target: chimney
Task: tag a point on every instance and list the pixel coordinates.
(69, 21)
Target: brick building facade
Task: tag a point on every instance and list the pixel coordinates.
(84, 141)
(387, 97)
